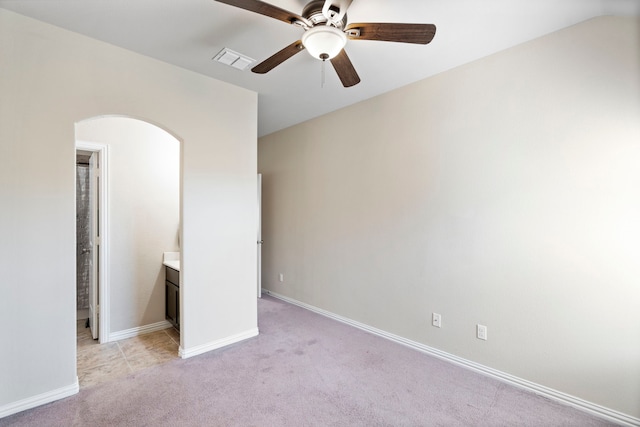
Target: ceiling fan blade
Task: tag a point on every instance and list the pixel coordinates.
(278, 58)
(265, 9)
(403, 33)
(343, 66)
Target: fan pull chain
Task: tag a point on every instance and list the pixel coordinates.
(324, 57)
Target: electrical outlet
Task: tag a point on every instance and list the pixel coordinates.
(281, 277)
(481, 332)
(436, 320)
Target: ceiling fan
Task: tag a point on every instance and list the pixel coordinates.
(326, 33)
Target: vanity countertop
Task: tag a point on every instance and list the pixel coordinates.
(171, 260)
(175, 264)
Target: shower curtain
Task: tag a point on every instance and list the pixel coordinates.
(83, 237)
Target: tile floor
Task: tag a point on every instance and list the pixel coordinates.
(98, 363)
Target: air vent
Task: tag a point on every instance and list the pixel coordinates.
(233, 59)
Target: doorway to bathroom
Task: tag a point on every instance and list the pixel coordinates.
(139, 220)
(84, 247)
(90, 229)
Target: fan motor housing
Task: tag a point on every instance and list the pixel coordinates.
(313, 12)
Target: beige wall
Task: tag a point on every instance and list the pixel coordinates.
(504, 192)
(144, 215)
(51, 79)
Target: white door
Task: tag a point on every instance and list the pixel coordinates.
(94, 197)
(259, 235)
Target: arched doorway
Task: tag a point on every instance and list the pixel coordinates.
(137, 220)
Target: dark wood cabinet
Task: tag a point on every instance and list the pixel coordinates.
(172, 297)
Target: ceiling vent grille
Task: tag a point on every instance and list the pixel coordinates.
(233, 59)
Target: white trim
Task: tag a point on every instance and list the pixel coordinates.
(104, 291)
(140, 330)
(203, 348)
(558, 396)
(259, 245)
(39, 399)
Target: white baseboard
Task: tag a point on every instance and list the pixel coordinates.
(203, 348)
(39, 399)
(140, 330)
(558, 396)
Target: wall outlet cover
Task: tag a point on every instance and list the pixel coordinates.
(436, 320)
(481, 332)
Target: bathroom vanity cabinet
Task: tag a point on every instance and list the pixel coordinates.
(172, 290)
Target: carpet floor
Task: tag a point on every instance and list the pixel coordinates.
(305, 370)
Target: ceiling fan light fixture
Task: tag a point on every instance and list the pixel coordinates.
(324, 41)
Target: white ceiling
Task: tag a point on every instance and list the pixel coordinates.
(189, 33)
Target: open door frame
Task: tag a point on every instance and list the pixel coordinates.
(94, 239)
(259, 235)
(102, 225)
